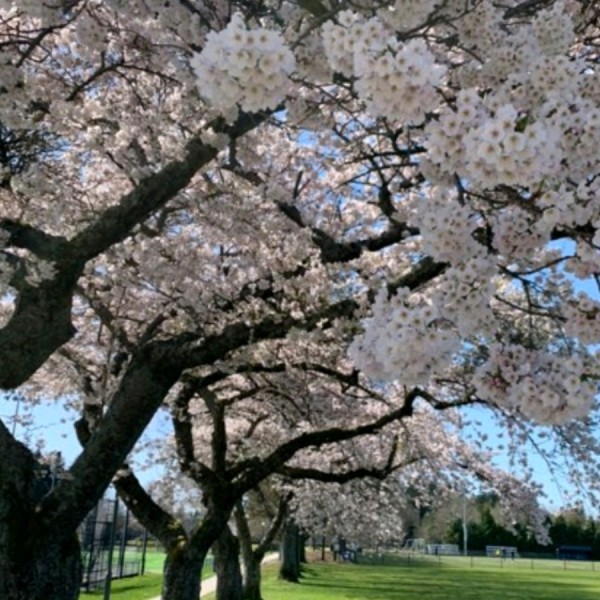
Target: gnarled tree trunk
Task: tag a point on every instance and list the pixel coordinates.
(227, 566)
(182, 569)
(50, 571)
(252, 579)
(39, 560)
(253, 557)
(186, 552)
(290, 552)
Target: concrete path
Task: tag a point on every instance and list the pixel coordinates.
(209, 585)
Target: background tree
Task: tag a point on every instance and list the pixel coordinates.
(274, 508)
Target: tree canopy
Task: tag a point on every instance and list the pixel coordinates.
(387, 208)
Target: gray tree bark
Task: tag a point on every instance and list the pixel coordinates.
(227, 566)
(38, 561)
(290, 551)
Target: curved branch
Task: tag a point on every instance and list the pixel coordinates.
(116, 223)
(157, 521)
(251, 472)
(43, 245)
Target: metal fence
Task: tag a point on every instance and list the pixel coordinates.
(478, 561)
(103, 536)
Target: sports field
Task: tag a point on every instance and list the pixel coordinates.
(403, 578)
(429, 581)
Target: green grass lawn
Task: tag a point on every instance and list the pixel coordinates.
(155, 559)
(328, 581)
(132, 588)
(397, 580)
(143, 587)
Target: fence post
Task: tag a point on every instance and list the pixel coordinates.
(123, 546)
(144, 548)
(90, 556)
(108, 580)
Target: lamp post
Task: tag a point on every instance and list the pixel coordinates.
(464, 524)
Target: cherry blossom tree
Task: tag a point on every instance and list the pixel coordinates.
(245, 427)
(233, 430)
(419, 176)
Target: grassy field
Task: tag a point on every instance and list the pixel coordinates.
(146, 586)
(452, 578)
(527, 564)
(132, 588)
(155, 559)
(428, 581)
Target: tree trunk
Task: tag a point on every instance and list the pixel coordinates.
(302, 539)
(50, 572)
(182, 573)
(227, 565)
(252, 558)
(38, 559)
(252, 580)
(290, 560)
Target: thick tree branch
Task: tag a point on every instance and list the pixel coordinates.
(41, 322)
(157, 521)
(250, 473)
(219, 434)
(182, 426)
(332, 477)
(148, 377)
(274, 527)
(350, 474)
(152, 193)
(43, 245)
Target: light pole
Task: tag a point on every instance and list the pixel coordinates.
(464, 524)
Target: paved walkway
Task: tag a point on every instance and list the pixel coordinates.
(209, 585)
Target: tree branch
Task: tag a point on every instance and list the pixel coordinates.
(41, 322)
(251, 472)
(157, 521)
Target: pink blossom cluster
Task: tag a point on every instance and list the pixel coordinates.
(394, 79)
(497, 147)
(447, 227)
(463, 296)
(547, 388)
(245, 67)
(583, 319)
(388, 348)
